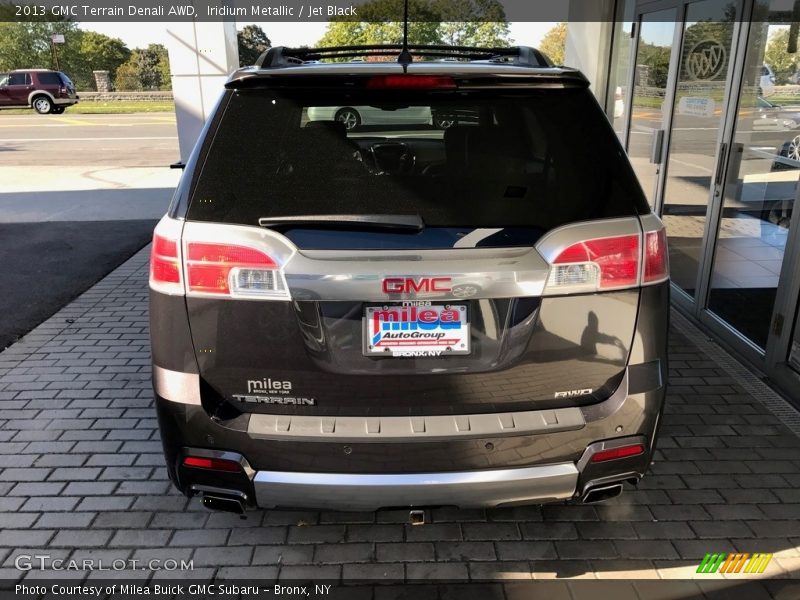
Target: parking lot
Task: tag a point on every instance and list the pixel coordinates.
(82, 475)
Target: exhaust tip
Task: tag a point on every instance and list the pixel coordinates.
(416, 517)
(601, 493)
(223, 504)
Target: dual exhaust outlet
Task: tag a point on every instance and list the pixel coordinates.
(599, 493)
(224, 502)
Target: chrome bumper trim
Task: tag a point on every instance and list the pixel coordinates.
(176, 385)
(467, 489)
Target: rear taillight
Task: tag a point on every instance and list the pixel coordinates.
(411, 82)
(165, 265)
(231, 270)
(656, 259)
(602, 263)
(624, 258)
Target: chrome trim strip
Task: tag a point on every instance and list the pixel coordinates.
(176, 386)
(428, 428)
(468, 489)
(476, 235)
(358, 274)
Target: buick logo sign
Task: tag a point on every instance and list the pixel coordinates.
(706, 60)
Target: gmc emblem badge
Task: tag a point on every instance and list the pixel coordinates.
(413, 285)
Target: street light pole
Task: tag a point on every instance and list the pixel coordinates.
(55, 39)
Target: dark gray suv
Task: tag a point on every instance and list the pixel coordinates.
(402, 315)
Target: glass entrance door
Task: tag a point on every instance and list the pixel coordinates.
(703, 73)
(649, 101)
(681, 75)
(762, 187)
(714, 136)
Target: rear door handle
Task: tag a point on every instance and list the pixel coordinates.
(723, 156)
(656, 149)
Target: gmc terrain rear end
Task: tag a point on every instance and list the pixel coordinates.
(469, 310)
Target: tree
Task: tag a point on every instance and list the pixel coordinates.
(103, 53)
(472, 23)
(252, 43)
(151, 71)
(127, 76)
(146, 69)
(474, 33)
(349, 33)
(452, 22)
(91, 51)
(777, 56)
(27, 45)
(554, 42)
(652, 65)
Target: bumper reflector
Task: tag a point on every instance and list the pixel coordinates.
(615, 453)
(213, 464)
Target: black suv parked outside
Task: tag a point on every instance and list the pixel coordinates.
(400, 315)
(44, 90)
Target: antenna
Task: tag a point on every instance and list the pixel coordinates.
(405, 58)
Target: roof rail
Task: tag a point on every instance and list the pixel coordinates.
(281, 56)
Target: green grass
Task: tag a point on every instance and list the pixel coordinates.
(794, 100)
(647, 102)
(117, 107)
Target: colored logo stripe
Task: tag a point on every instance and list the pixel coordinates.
(721, 562)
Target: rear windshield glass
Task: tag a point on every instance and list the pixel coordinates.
(527, 161)
(49, 79)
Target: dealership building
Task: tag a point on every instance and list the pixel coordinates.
(705, 98)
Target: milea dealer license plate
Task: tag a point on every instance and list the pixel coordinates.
(416, 329)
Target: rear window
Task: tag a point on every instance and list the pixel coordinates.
(49, 78)
(19, 79)
(524, 161)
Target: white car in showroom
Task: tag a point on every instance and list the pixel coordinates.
(357, 116)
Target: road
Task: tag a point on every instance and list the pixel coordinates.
(86, 167)
(134, 140)
(80, 194)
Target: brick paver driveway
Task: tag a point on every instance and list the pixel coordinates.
(81, 476)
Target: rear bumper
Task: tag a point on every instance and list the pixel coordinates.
(492, 469)
(484, 488)
(473, 489)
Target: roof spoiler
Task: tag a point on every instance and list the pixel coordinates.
(281, 56)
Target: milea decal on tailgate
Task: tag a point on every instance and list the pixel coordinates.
(272, 391)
